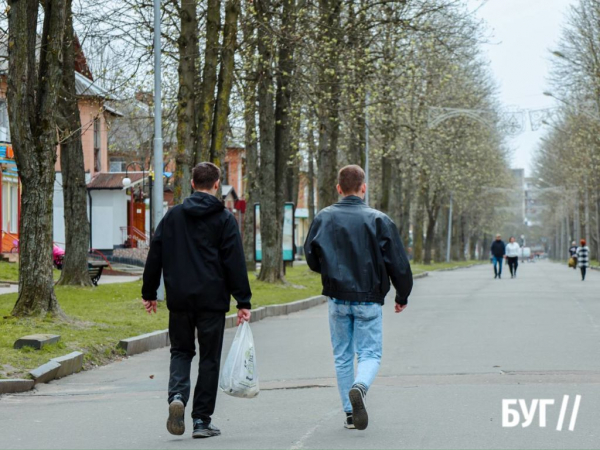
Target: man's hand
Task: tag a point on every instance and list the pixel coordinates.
(399, 308)
(150, 306)
(243, 316)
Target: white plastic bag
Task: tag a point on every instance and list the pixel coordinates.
(239, 376)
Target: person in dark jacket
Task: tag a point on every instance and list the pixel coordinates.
(357, 250)
(498, 251)
(198, 248)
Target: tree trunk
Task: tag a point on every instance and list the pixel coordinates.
(249, 92)
(209, 81)
(77, 227)
(329, 101)
(311, 173)
(432, 216)
(32, 102)
(386, 183)
(219, 134)
(186, 99)
(271, 267)
(293, 176)
(418, 233)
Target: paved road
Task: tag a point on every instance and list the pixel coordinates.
(465, 342)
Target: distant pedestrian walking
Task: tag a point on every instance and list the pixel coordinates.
(498, 251)
(573, 255)
(512, 256)
(357, 250)
(198, 248)
(583, 258)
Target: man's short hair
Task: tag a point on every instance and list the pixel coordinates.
(351, 178)
(205, 175)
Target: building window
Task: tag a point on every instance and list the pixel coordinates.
(117, 165)
(14, 208)
(97, 146)
(226, 173)
(4, 127)
(5, 206)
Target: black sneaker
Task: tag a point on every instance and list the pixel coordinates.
(176, 422)
(349, 423)
(204, 430)
(357, 396)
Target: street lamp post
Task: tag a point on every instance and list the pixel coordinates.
(158, 140)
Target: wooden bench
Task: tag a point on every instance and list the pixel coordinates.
(95, 269)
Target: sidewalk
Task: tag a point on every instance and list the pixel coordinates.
(465, 342)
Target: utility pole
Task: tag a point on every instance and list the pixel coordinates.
(586, 199)
(367, 147)
(576, 221)
(158, 191)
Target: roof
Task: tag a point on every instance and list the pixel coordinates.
(227, 189)
(88, 88)
(114, 180)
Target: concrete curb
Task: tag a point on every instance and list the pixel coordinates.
(46, 372)
(14, 385)
(420, 275)
(69, 364)
(145, 342)
(278, 310)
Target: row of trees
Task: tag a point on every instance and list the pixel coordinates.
(310, 81)
(568, 159)
(306, 86)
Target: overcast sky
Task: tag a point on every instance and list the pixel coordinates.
(523, 32)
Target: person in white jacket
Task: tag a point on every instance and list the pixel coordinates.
(512, 256)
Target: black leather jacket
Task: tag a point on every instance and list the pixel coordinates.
(357, 250)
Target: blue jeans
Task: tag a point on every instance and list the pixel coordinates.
(497, 265)
(356, 328)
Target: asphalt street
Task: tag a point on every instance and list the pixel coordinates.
(465, 343)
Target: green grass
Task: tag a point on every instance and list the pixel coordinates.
(420, 268)
(302, 283)
(100, 317)
(10, 272)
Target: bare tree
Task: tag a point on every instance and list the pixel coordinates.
(33, 90)
(77, 231)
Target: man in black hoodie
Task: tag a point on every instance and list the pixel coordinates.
(198, 248)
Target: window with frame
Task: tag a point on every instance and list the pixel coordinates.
(4, 125)
(226, 173)
(117, 165)
(97, 145)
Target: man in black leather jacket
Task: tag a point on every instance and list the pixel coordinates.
(357, 250)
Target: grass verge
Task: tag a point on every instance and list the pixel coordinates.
(100, 317)
(10, 272)
(420, 268)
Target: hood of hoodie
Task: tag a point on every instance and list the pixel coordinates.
(200, 204)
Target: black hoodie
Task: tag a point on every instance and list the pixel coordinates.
(198, 248)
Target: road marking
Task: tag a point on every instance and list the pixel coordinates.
(300, 442)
